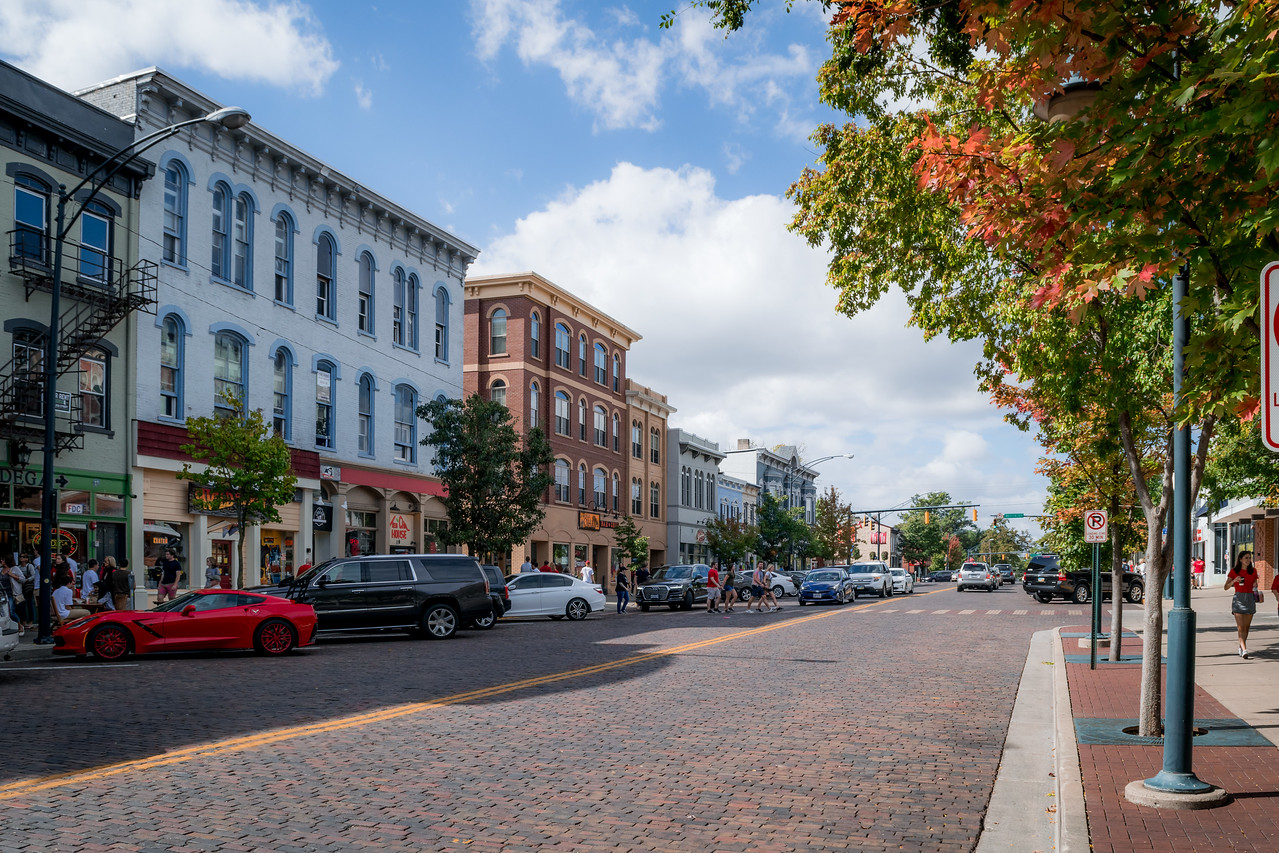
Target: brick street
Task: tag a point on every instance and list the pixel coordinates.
(875, 727)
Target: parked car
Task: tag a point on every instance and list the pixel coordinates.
(973, 575)
(499, 595)
(1006, 572)
(554, 595)
(8, 628)
(831, 584)
(679, 586)
(903, 581)
(1045, 579)
(943, 576)
(871, 578)
(199, 620)
(427, 594)
(781, 584)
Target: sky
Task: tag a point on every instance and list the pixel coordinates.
(642, 169)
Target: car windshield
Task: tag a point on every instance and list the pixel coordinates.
(822, 576)
(899, 571)
(674, 573)
(865, 570)
(178, 603)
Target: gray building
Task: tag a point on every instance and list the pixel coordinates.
(779, 472)
(692, 468)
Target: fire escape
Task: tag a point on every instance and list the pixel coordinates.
(98, 292)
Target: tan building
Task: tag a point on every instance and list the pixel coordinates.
(648, 414)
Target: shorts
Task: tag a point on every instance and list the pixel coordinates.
(1244, 602)
(727, 589)
(167, 589)
(757, 591)
(712, 593)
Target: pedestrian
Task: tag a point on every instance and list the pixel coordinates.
(588, 573)
(546, 566)
(62, 574)
(1141, 566)
(89, 580)
(72, 564)
(758, 578)
(12, 578)
(1197, 567)
(1243, 578)
(121, 588)
(30, 576)
(527, 566)
(622, 586)
(641, 576)
(212, 577)
(103, 587)
(728, 590)
(712, 589)
(769, 598)
(170, 574)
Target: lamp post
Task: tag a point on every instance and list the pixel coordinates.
(231, 118)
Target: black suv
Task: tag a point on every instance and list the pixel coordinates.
(499, 593)
(430, 594)
(675, 586)
(1045, 578)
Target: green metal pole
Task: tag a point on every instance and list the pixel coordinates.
(1096, 606)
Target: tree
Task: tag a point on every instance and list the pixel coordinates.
(833, 533)
(631, 544)
(494, 481)
(730, 539)
(779, 529)
(1000, 543)
(247, 470)
(943, 538)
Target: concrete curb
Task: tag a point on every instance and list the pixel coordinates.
(1072, 819)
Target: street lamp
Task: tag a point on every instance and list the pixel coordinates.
(231, 118)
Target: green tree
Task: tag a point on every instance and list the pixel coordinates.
(833, 533)
(945, 534)
(248, 469)
(779, 529)
(494, 481)
(730, 539)
(632, 545)
(1001, 543)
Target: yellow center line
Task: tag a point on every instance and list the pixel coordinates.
(240, 744)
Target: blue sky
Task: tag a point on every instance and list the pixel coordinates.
(643, 169)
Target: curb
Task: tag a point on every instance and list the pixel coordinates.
(1072, 819)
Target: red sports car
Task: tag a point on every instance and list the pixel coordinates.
(199, 620)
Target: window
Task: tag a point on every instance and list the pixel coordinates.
(324, 405)
(654, 446)
(229, 369)
(655, 499)
(581, 355)
(601, 364)
(497, 333)
(617, 433)
(617, 373)
(220, 262)
(637, 447)
(28, 371)
(282, 408)
(497, 391)
(637, 496)
(561, 346)
(685, 487)
(601, 427)
(31, 218)
(581, 484)
(698, 490)
(601, 486)
(93, 388)
(441, 324)
(535, 335)
(172, 340)
(284, 259)
(617, 488)
(95, 242)
(365, 440)
(581, 419)
(410, 315)
(325, 278)
(561, 480)
(173, 250)
(242, 244)
(404, 312)
(534, 405)
(405, 424)
(365, 308)
(561, 413)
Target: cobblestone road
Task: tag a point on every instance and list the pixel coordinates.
(875, 727)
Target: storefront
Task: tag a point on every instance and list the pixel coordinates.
(93, 509)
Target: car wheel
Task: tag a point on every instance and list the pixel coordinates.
(644, 607)
(882, 593)
(488, 620)
(779, 592)
(1136, 593)
(1080, 595)
(802, 602)
(687, 604)
(439, 622)
(1044, 597)
(110, 642)
(577, 609)
(274, 637)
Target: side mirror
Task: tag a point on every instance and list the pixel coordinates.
(322, 583)
(189, 610)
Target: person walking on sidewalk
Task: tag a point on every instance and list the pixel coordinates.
(121, 587)
(730, 592)
(712, 589)
(170, 574)
(1243, 578)
(622, 586)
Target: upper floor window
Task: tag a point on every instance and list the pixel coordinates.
(617, 429)
(637, 447)
(93, 388)
(284, 259)
(365, 308)
(699, 490)
(561, 481)
(637, 496)
(535, 335)
(324, 405)
(561, 346)
(95, 242)
(581, 355)
(561, 413)
(581, 484)
(617, 488)
(654, 446)
(601, 427)
(174, 250)
(230, 370)
(601, 486)
(617, 373)
(405, 423)
(581, 419)
(325, 278)
(534, 405)
(242, 244)
(655, 499)
(232, 237)
(365, 441)
(28, 371)
(282, 406)
(685, 487)
(601, 364)
(31, 218)
(497, 333)
(172, 342)
(441, 324)
(220, 260)
(497, 391)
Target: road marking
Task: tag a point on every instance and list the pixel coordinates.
(1020, 612)
(77, 778)
(914, 611)
(993, 612)
(967, 612)
(940, 612)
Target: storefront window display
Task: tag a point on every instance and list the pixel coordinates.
(158, 536)
(277, 555)
(581, 553)
(559, 556)
(361, 532)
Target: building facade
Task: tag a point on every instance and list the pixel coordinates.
(648, 415)
(779, 472)
(692, 472)
(316, 300)
(560, 364)
(50, 138)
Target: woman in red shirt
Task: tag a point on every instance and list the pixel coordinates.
(1243, 578)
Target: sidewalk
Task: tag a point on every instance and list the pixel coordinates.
(1236, 704)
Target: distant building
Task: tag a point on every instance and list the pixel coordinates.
(692, 470)
(648, 415)
(779, 472)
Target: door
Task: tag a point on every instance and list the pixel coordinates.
(215, 624)
(333, 595)
(387, 598)
(527, 593)
(558, 591)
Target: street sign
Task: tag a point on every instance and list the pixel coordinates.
(1096, 528)
(1270, 355)
(1014, 515)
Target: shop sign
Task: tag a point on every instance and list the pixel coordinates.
(330, 472)
(401, 530)
(62, 401)
(20, 477)
(205, 501)
(322, 518)
(63, 540)
(607, 523)
(588, 521)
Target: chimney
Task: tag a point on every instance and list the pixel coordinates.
(743, 444)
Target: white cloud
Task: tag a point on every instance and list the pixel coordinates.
(740, 331)
(73, 43)
(363, 96)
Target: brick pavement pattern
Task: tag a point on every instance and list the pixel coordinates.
(840, 729)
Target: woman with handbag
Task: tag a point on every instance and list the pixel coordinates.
(1243, 578)
(13, 580)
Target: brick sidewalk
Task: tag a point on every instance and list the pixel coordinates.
(1231, 755)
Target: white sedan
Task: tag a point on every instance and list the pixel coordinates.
(552, 594)
(782, 585)
(903, 581)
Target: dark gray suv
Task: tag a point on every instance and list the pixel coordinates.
(675, 586)
(428, 594)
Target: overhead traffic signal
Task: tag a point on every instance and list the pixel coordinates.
(925, 516)
(974, 513)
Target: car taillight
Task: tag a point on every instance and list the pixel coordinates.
(506, 593)
(1061, 576)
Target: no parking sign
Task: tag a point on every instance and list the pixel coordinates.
(1096, 526)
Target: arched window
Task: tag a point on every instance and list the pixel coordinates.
(710, 490)
(655, 499)
(365, 315)
(637, 446)
(497, 333)
(685, 487)
(601, 364)
(242, 242)
(31, 218)
(411, 289)
(581, 419)
(282, 408)
(637, 496)
(617, 373)
(365, 441)
(581, 355)
(581, 484)
(601, 427)
(93, 389)
(284, 259)
(601, 488)
(561, 480)
(172, 349)
(617, 489)
(220, 259)
(230, 370)
(561, 413)
(698, 490)
(326, 278)
(324, 405)
(441, 324)
(534, 405)
(655, 446)
(174, 248)
(405, 424)
(617, 433)
(561, 346)
(535, 335)
(497, 391)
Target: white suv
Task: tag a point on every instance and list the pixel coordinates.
(871, 578)
(977, 576)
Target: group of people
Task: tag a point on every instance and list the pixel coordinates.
(108, 583)
(722, 587)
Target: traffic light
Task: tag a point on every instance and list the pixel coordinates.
(925, 516)
(974, 514)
